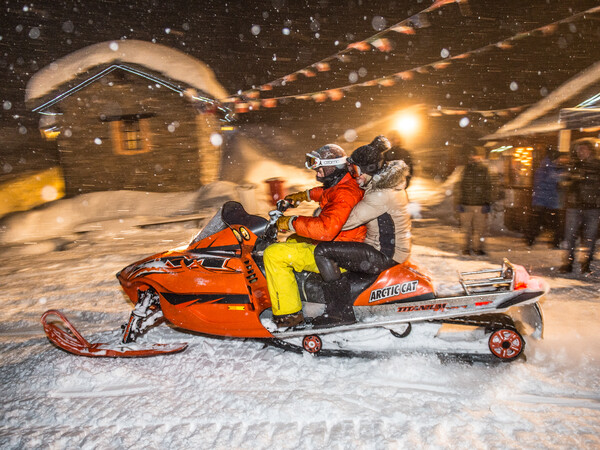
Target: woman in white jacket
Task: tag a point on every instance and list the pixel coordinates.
(384, 209)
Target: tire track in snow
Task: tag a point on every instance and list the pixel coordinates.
(102, 391)
(588, 402)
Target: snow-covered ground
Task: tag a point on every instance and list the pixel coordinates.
(223, 393)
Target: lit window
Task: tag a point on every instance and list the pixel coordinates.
(130, 135)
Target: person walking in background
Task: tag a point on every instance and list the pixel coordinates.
(473, 197)
(545, 201)
(582, 200)
(397, 152)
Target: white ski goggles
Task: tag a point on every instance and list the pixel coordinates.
(314, 162)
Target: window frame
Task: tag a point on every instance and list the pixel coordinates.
(139, 126)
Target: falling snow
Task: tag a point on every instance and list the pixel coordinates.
(223, 393)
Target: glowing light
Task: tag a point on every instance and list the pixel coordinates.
(501, 149)
(407, 124)
(50, 134)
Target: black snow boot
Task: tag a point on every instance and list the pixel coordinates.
(338, 306)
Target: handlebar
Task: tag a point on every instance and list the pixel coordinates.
(281, 206)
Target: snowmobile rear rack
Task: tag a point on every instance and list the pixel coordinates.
(476, 282)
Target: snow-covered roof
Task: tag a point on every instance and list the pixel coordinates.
(527, 122)
(167, 61)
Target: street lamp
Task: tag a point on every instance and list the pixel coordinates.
(407, 124)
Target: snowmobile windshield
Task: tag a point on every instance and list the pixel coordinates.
(231, 213)
(213, 226)
(235, 214)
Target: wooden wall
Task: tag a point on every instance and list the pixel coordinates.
(181, 157)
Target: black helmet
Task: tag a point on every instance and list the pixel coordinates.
(369, 158)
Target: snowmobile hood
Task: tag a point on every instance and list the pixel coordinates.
(129, 272)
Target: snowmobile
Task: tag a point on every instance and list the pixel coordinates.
(216, 286)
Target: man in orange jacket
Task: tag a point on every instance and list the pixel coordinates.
(338, 195)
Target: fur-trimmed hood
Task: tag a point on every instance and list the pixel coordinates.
(391, 176)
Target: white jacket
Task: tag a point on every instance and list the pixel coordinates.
(384, 209)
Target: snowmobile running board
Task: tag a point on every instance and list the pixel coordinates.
(64, 335)
(529, 316)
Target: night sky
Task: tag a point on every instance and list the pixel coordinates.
(249, 43)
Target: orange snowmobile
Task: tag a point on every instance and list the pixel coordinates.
(216, 286)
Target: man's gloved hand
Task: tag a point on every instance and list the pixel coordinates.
(297, 197)
(460, 208)
(485, 209)
(284, 223)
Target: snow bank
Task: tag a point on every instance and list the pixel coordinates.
(109, 210)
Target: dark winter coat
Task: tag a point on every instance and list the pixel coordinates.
(545, 184)
(582, 185)
(384, 209)
(475, 187)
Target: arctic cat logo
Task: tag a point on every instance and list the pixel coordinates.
(393, 291)
(436, 307)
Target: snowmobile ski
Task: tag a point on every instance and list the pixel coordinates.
(65, 336)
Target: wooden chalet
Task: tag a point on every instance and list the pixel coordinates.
(131, 115)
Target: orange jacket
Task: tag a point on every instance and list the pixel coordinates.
(336, 204)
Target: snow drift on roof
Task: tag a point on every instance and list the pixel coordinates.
(172, 63)
(519, 125)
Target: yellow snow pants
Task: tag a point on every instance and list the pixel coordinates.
(281, 260)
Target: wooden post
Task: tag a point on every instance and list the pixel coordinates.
(564, 141)
(209, 156)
